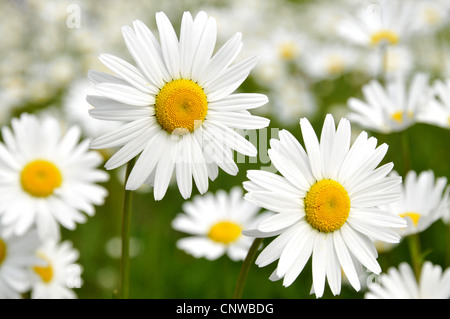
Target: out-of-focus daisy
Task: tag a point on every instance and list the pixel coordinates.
(391, 108)
(76, 108)
(424, 201)
(430, 15)
(379, 23)
(17, 254)
(396, 61)
(291, 98)
(178, 105)
(326, 201)
(59, 275)
(216, 222)
(402, 284)
(329, 61)
(48, 178)
(437, 111)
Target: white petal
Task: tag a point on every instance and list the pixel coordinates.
(125, 94)
(169, 45)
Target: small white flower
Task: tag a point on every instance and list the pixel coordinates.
(379, 23)
(17, 254)
(437, 111)
(59, 275)
(391, 108)
(402, 284)
(423, 202)
(47, 177)
(216, 223)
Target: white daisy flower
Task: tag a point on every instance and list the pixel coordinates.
(398, 60)
(379, 23)
(329, 61)
(326, 203)
(402, 284)
(178, 105)
(48, 178)
(60, 274)
(391, 108)
(17, 254)
(216, 223)
(424, 201)
(437, 111)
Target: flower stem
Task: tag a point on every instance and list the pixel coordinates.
(124, 286)
(246, 267)
(415, 251)
(448, 246)
(406, 152)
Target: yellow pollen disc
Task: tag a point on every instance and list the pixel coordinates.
(413, 216)
(40, 178)
(2, 251)
(46, 273)
(399, 116)
(225, 232)
(384, 36)
(431, 16)
(288, 51)
(181, 104)
(327, 205)
(335, 65)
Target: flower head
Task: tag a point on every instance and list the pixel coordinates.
(391, 108)
(401, 283)
(380, 23)
(424, 201)
(57, 272)
(17, 254)
(216, 223)
(326, 203)
(48, 178)
(437, 111)
(177, 104)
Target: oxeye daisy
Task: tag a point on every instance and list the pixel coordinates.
(47, 177)
(391, 108)
(402, 284)
(424, 201)
(17, 254)
(178, 104)
(437, 111)
(216, 222)
(379, 23)
(326, 200)
(58, 273)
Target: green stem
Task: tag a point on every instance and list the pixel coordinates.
(124, 286)
(246, 267)
(384, 62)
(415, 251)
(448, 245)
(406, 152)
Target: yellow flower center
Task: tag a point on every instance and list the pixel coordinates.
(327, 205)
(288, 51)
(399, 116)
(413, 216)
(181, 105)
(431, 16)
(46, 273)
(2, 251)
(225, 232)
(335, 65)
(384, 36)
(40, 178)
